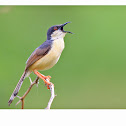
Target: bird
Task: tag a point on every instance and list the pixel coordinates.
(44, 57)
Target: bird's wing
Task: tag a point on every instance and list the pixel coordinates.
(39, 52)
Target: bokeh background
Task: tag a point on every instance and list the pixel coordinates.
(91, 72)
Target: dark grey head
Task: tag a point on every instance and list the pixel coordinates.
(57, 31)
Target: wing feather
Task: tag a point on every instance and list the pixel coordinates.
(39, 52)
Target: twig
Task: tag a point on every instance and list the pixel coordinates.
(52, 96)
(23, 97)
(51, 86)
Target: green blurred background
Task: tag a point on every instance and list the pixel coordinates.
(91, 72)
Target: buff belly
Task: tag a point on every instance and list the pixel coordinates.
(51, 58)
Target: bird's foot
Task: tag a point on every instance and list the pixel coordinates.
(47, 77)
(48, 84)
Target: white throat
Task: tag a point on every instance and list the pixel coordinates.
(58, 34)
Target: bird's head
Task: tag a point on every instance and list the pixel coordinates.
(57, 31)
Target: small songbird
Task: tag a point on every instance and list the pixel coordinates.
(44, 57)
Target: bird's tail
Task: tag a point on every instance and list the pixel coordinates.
(16, 90)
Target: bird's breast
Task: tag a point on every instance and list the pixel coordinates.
(52, 57)
(58, 46)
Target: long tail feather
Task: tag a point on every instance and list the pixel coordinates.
(16, 90)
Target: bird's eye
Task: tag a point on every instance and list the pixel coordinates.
(55, 28)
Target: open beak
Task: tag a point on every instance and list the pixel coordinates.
(61, 27)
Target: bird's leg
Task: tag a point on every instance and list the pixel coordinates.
(44, 78)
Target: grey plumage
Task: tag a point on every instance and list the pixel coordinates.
(39, 52)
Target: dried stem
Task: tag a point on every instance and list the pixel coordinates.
(22, 106)
(52, 96)
(29, 89)
(26, 93)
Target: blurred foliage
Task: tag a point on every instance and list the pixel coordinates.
(91, 72)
